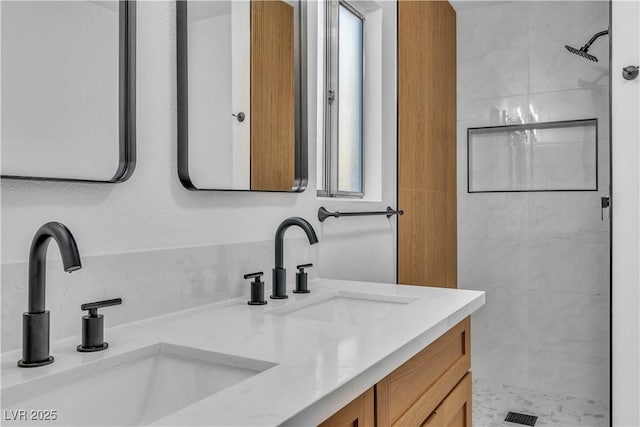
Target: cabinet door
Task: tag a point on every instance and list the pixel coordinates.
(455, 409)
(427, 236)
(358, 413)
(408, 395)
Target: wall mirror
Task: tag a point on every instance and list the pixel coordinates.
(241, 104)
(68, 90)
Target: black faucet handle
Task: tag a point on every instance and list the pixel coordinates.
(302, 286)
(256, 275)
(301, 267)
(93, 326)
(257, 289)
(93, 307)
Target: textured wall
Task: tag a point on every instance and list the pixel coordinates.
(541, 257)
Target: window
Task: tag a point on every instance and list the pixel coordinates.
(341, 171)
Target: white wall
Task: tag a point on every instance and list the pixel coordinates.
(152, 211)
(626, 215)
(542, 258)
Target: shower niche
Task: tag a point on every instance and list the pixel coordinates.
(548, 156)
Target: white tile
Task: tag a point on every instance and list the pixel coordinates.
(489, 28)
(493, 216)
(505, 363)
(583, 103)
(552, 68)
(569, 323)
(573, 374)
(504, 318)
(570, 266)
(568, 22)
(493, 74)
(563, 165)
(493, 111)
(492, 264)
(588, 103)
(564, 215)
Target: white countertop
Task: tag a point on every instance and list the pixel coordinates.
(320, 366)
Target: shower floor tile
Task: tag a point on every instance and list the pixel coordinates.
(492, 402)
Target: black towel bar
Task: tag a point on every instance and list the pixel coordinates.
(324, 214)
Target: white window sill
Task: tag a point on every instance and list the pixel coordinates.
(348, 200)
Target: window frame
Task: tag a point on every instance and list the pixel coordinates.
(330, 185)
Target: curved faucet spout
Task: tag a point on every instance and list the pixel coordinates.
(289, 222)
(38, 260)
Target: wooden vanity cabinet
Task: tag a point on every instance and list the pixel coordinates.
(433, 388)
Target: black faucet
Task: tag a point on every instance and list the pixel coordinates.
(35, 322)
(279, 272)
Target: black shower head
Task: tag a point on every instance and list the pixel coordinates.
(582, 52)
(584, 49)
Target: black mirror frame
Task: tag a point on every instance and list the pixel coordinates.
(300, 90)
(126, 100)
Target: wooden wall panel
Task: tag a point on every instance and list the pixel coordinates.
(272, 96)
(427, 190)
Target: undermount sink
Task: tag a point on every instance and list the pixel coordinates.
(344, 307)
(134, 388)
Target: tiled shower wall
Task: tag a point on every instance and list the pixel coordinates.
(542, 257)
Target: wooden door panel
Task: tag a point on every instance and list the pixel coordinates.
(422, 246)
(427, 153)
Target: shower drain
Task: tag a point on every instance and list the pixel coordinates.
(527, 420)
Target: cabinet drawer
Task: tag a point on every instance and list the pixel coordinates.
(408, 395)
(455, 409)
(358, 413)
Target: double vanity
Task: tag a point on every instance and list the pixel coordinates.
(313, 352)
(332, 353)
(344, 351)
